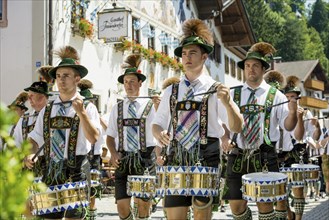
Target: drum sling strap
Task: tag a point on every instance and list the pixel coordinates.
(132, 159)
(240, 159)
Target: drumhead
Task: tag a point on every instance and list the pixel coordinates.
(261, 177)
(306, 166)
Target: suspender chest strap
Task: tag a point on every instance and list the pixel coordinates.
(139, 122)
(73, 125)
(202, 106)
(269, 101)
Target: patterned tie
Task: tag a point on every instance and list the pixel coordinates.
(187, 132)
(58, 138)
(132, 142)
(251, 129)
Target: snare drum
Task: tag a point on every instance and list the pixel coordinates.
(95, 177)
(188, 180)
(264, 187)
(310, 171)
(295, 176)
(59, 198)
(141, 186)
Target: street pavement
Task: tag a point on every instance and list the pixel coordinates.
(106, 210)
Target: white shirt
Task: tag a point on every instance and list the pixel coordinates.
(278, 113)
(112, 128)
(83, 145)
(217, 114)
(309, 128)
(18, 132)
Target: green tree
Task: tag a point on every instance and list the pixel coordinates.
(14, 182)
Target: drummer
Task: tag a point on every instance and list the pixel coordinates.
(66, 150)
(324, 144)
(38, 98)
(217, 109)
(131, 146)
(94, 154)
(255, 145)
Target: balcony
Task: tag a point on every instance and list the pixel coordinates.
(314, 85)
(310, 102)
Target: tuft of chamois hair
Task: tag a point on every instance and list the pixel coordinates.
(22, 97)
(263, 48)
(274, 76)
(85, 84)
(67, 52)
(170, 81)
(292, 81)
(43, 71)
(131, 61)
(196, 27)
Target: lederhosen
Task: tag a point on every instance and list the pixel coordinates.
(206, 152)
(132, 163)
(71, 169)
(241, 161)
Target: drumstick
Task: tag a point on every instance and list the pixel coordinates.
(38, 152)
(316, 118)
(70, 101)
(213, 91)
(271, 106)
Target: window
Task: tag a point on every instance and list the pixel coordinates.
(233, 68)
(239, 74)
(151, 40)
(164, 48)
(216, 54)
(136, 30)
(227, 70)
(3, 13)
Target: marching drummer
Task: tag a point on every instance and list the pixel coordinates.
(130, 139)
(65, 129)
(192, 130)
(94, 154)
(254, 150)
(38, 98)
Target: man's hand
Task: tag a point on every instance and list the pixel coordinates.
(115, 159)
(164, 139)
(292, 105)
(156, 99)
(77, 104)
(223, 93)
(28, 161)
(227, 144)
(300, 113)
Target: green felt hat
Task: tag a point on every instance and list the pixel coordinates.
(39, 87)
(20, 101)
(193, 40)
(69, 62)
(132, 70)
(86, 93)
(255, 55)
(292, 85)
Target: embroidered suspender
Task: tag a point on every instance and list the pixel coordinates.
(141, 123)
(73, 137)
(26, 129)
(203, 106)
(269, 101)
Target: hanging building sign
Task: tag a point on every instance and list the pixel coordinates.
(113, 25)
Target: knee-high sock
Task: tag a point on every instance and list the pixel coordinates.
(299, 204)
(267, 216)
(281, 214)
(129, 217)
(246, 215)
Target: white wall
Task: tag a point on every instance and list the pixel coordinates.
(22, 45)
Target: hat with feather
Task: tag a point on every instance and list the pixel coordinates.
(261, 51)
(195, 32)
(70, 58)
(85, 85)
(275, 79)
(292, 85)
(20, 101)
(130, 66)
